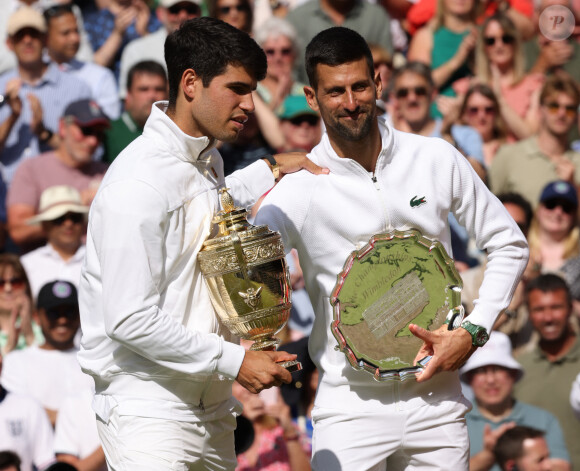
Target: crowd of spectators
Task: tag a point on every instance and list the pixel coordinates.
(77, 83)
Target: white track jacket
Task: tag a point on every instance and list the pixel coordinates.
(151, 339)
(327, 217)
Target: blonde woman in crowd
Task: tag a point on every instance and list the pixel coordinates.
(480, 109)
(16, 326)
(500, 65)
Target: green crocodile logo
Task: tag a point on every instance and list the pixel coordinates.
(417, 202)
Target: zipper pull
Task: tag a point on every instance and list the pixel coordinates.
(374, 178)
(201, 406)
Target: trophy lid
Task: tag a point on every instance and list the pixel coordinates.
(232, 219)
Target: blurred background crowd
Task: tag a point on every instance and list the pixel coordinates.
(492, 77)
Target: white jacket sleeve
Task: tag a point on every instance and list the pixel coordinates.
(494, 230)
(247, 185)
(131, 221)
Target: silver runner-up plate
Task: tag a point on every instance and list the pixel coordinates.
(397, 279)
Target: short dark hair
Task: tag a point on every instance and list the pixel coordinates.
(145, 67)
(548, 283)
(336, 46)
(521, 202)
(415, 67)
(509, 445)
(56, 11)
(556, 84)
(208, 46)
(9, 459)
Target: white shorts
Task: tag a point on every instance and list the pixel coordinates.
(430, 437)
(135, 443)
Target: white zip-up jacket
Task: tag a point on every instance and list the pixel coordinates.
(151, 339)
(327, 217)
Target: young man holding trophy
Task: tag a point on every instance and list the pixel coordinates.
(372, 237)
(161, 361)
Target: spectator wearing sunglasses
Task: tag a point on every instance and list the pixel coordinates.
(300, 125)
(17, 329)
(554, 236)
(500, 64)
(278, 39)
(171, 14)
(36, 94)
(81, 131)
(63, 219)
(49, 372)
(237, 13)
(526, 167)
(480, 110)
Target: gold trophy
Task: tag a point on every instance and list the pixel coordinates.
(245, 269)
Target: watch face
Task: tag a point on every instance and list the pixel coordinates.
(481, 337)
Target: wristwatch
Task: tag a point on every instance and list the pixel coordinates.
(273, 166)
(479, 335)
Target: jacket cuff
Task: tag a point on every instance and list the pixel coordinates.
(230, 361)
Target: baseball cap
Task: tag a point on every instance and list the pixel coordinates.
(86, 113)
(559, 190)
(497, 351)
(25, 17)
(57, 293)
(56, 201)
(295, 105)
(170, 3)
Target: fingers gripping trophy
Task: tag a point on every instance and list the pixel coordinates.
(245, 269)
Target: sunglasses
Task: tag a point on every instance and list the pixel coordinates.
(554, 107)
(21, 34)
(189, 8)
(505, 38)
(68, 311)
(305, 118)
(404, 92)
(475, 110)
(16, 283)
(286, 51)
(239, 8)
(94, 132)
(567, 206)
(75, 218)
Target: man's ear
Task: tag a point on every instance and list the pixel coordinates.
(190, 82)
(378, 85)
(9, 44)
(311, 98)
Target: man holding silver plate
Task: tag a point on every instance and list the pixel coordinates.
(373, 242)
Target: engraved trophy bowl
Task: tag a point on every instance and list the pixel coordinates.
(246, 272)
(398, 278)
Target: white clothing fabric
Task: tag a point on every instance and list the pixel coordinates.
(425, 437)
(151, 338)
(46, 375)
(25, 430)
(44, 265)
(149, 444)
(102, 82)
(76, 427)
(147, 48)
(575, 396)
(327, 217)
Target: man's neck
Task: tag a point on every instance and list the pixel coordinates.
(66, 158)
(423, 128)
(558, 348)
(65, 251)
(32, 73)
(337, 10)
(365, 151)
(496, 412)
(59, 59)
(551, 144)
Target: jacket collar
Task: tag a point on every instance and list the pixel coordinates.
(326, 156)
(163, 129)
